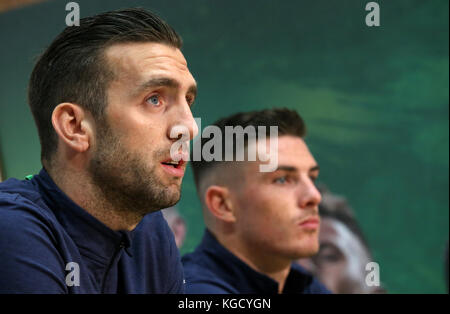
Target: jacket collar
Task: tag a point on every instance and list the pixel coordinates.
(245, 278)
(88, 233)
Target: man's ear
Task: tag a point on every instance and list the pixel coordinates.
(217, 200)
(73, 126)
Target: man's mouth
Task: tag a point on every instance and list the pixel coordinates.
(174, 168)
(173, 163)
(310, 223)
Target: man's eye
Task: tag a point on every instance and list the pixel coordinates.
(154, 100)
(328, 254)
(281, 180)
(328, 258)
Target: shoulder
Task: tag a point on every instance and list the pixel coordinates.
(313, 286)
(21, 216)
(208, 286)
(201, 277)
(20, 199)
(31, 261)
(200, 280)
(317, 287)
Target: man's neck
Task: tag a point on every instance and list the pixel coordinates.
(260, 260)
(80, 189)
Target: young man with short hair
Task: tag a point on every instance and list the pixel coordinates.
(257, 222)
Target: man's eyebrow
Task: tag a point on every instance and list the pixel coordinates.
(157, 82)
(163, 81)
(293, 169)
(287, 168)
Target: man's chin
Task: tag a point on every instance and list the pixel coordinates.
(306, 251)
(152, 200)
(172, 203)
(174, 195)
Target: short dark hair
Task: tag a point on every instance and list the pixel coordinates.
(73, 68)
(289, 122)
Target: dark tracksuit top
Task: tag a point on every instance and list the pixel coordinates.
(43, 233)
(212, 269)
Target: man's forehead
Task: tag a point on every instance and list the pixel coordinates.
(293, 152)
(337, 232)
(135, 58)
(348, 242)
(290, 146)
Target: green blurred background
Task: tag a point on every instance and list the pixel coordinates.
(375, 100)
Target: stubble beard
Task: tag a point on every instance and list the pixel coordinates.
(125, 179)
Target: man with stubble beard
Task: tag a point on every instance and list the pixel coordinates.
(109, 97)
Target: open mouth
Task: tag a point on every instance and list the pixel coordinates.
(173, 163)
(174, 168)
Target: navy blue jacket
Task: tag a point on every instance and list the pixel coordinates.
(42, 232)
(211, 268)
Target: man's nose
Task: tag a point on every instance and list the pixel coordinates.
(310, 196)
(184, 124)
